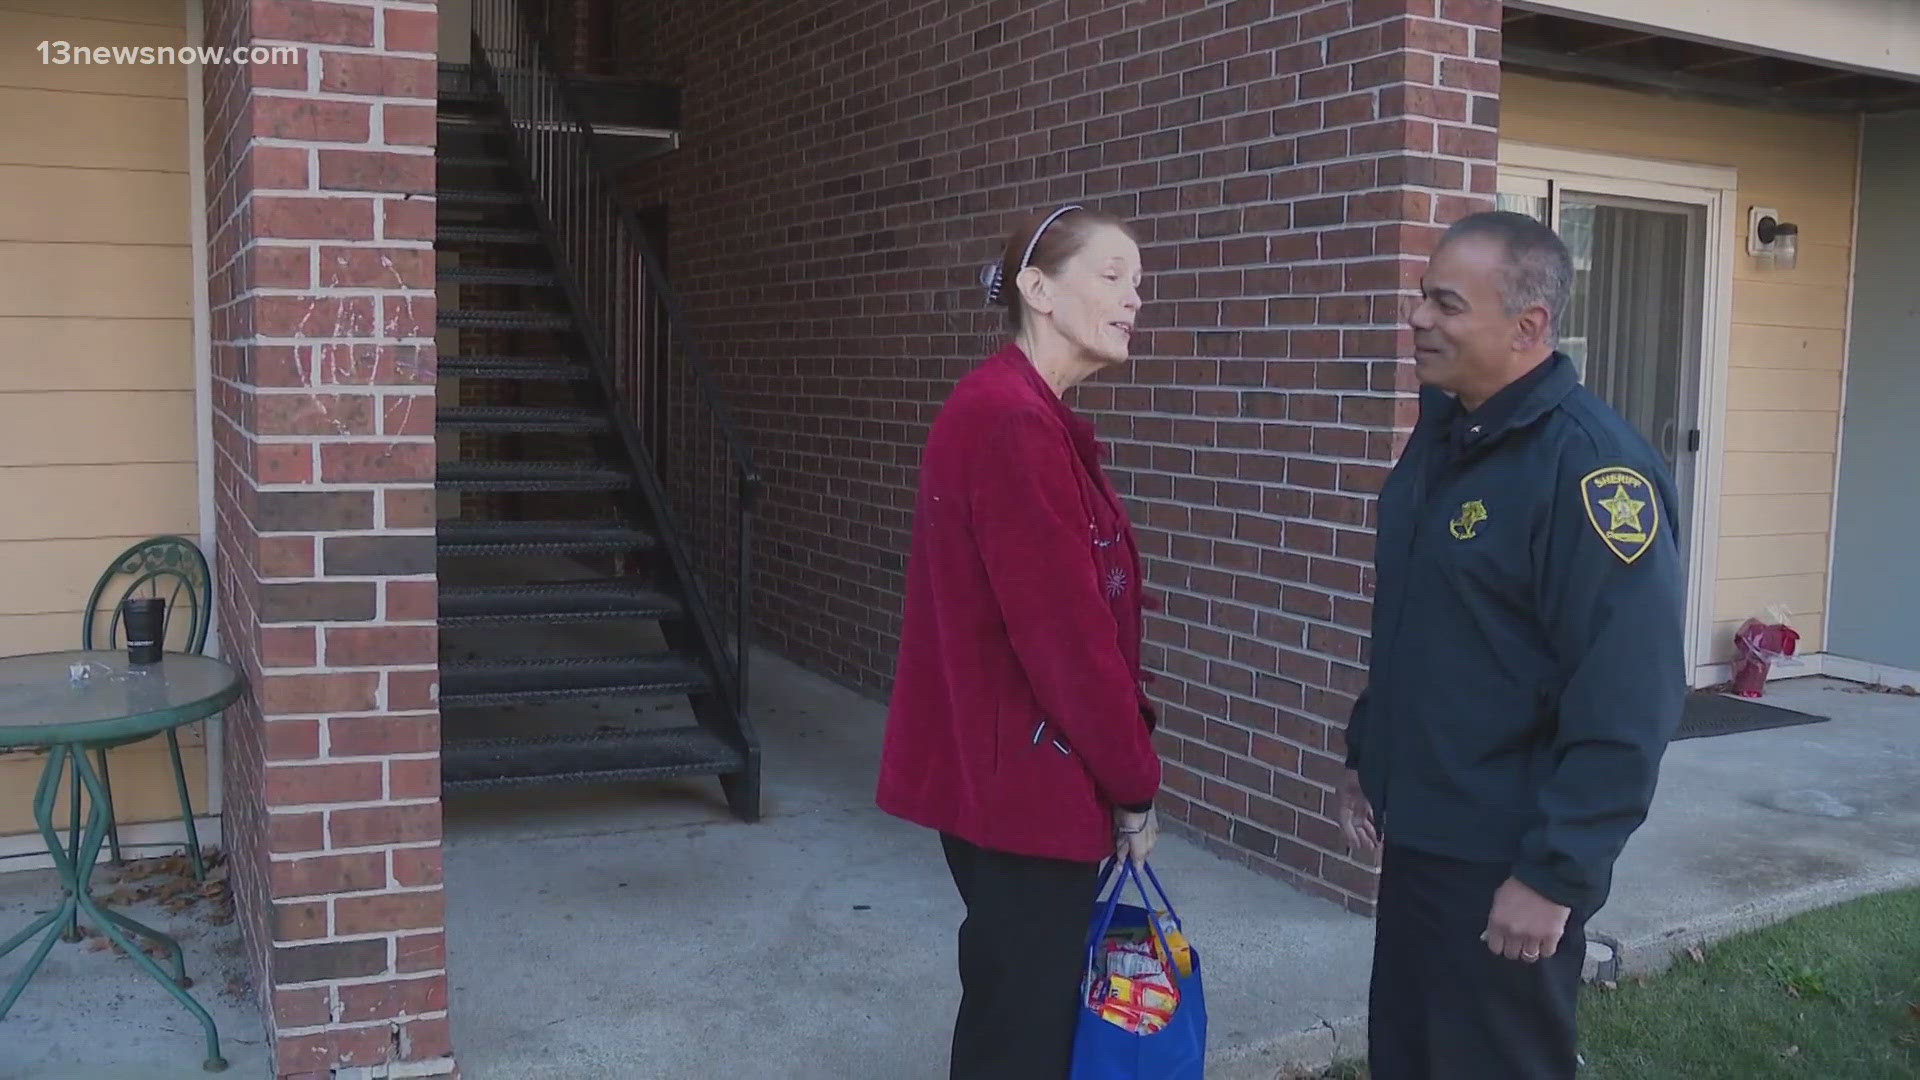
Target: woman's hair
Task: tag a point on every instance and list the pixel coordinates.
(1046, 241)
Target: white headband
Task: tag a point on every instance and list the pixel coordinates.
(991, 274)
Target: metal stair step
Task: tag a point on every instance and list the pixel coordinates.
(514, 367)
(471, 161)
(478, 116)
(661, 754)
(472, 196)
(470, 319)
(477, 683)
(539, 537)
(464, 96)
(557, 602)
(517, 418)
(531, 476)
(486, 234)
(496, 275)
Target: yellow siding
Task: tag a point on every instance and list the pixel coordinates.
(97, 444)
(1788, 337)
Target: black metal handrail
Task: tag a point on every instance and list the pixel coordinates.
(669, 411)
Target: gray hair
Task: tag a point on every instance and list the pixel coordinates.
(1538, 269)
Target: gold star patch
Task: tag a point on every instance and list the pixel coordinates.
(1623, 508)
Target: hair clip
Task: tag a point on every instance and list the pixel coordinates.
(990, 280)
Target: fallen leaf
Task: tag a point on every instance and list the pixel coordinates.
(101, 944)
(1793, 991)
(1697, 954)
(1913, 1009)
(1609, 984)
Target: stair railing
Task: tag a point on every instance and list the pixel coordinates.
(668, 410)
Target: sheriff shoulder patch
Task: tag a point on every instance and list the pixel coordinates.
(1623, 508)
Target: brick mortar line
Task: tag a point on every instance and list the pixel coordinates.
(376, 713)
(337, 97)
(1306, 620)
(351, 243)
(362, 1025)
(1269, 766)
(253, 438)
(357, 804)
(341, 291)
(348, 580)
(287, 242)
(365, 980)
(321, 667)
(1303, 842)
(362, 980)
(367, 894)
(337, 194)
(322, 853)
(358, 981)
(1238, 452)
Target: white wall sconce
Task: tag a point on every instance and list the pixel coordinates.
(1775, 243)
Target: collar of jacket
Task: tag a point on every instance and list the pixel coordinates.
(1516, 406)
(1078, 426)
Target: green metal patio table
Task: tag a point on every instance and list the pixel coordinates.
(71, 703)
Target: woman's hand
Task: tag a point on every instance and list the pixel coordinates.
(1134, 835)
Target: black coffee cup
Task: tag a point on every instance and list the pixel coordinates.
(144, 621)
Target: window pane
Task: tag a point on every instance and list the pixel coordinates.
(1534, 206)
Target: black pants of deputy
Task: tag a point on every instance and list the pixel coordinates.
(1444, 1007)
(1022, 946)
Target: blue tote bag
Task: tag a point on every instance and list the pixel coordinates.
(1103, 1050)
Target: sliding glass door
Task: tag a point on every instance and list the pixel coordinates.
(1634, 327)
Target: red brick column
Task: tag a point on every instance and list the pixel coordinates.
(321, 289)
(1288, 163)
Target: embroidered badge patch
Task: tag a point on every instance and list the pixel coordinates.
(1472, 513)
(1623, 508)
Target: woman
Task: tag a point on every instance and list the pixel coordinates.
(1018, 727)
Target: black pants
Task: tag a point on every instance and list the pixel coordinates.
(1442, 1006)
(1022, 946)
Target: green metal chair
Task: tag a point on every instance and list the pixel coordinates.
(172, 568)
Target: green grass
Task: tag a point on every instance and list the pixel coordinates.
(1831, 994)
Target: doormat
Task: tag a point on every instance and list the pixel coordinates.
(1709, 713)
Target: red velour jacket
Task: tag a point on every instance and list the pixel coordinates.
(1018, 721)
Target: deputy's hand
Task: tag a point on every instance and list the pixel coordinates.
(1524, 925)
(1356, 817)
(1134, 835)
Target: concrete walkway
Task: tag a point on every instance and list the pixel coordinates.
(1749, 829)
(91, 1015)
(676, 943)
(621, 935)
(643, 933)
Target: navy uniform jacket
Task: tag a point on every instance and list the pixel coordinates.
(1527, 667)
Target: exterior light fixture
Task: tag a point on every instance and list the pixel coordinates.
(1773, 242)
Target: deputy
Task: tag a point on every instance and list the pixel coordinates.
(1526, 671)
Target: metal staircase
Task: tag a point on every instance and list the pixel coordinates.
(594, 580)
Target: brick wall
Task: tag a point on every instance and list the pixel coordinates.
(846, 168)
(321, 295)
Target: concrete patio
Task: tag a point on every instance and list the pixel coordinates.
(628, 933)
